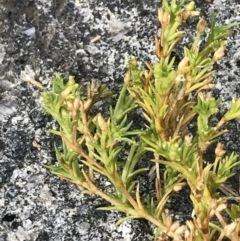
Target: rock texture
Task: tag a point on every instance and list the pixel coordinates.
(42, 37)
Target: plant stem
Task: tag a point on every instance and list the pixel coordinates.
(82, 153)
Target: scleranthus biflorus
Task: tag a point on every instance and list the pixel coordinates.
(170, 96)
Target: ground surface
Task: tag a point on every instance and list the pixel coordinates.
(35, 205)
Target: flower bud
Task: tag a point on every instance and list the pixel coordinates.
(163, 16)
(201, 26)
(213, 204)
(195, 13)
(185, 15)
(211, 213)
(208, 86)
(175, 226)
(96, 137)
(177, 237)
(71, 81)
(180, 230)
(229, 228)
(183, 63)
(180, 78)
(190, 6)
(179, 18)
(64, 113)
(88, 139)
(174, 8)
(134, 61)
(169, 221)
(87, 104)
(205, 97)
(67, 91)
(102, 123)
(76, 103)
(177, 187)
(188, 139)
(219, 54)
(127, 77)
(221, 207)
(186, 234)
(69, 106)
(219, 152)
(94, 86)
(146, 73)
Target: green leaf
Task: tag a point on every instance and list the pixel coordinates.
(136, 172)
(76, 170)
(131, 186)
(93, 167)
(120, 221)
(58, 85)
(114, 153)
(60, 172)
(150, 206)
(190, 176)
(234, 111)
(234, 211)
(218, 32)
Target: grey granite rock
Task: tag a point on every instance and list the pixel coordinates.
(51, 36)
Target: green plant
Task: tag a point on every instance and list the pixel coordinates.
(171, 96)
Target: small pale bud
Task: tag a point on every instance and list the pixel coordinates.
(186, 234)
(195, 13)
(88, 139)
(221, 207)
(76, 103)
(219, 54)
(188, 139)
(219, 152)
(134, 61)
(87, 104)
(96, 137)
(213, 204)
(71, 80)
(205, 97)
(127, 77)
(177, 237)
(208, 86)
(94, 86)
(230, 228)
(67, 91)
(183, 63)
(64, 113)
(146, 73)
(211, 213)
(179, 18)
(177, 188)
(163, 16)
(190, 223)
(175, 226)
(180, 230)
(169, 221)
(69, 106)
(174, 7)
(180, 78)
(186, 15)
(160, 15)
(102, 123)
(201, 26)
(190, 6)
